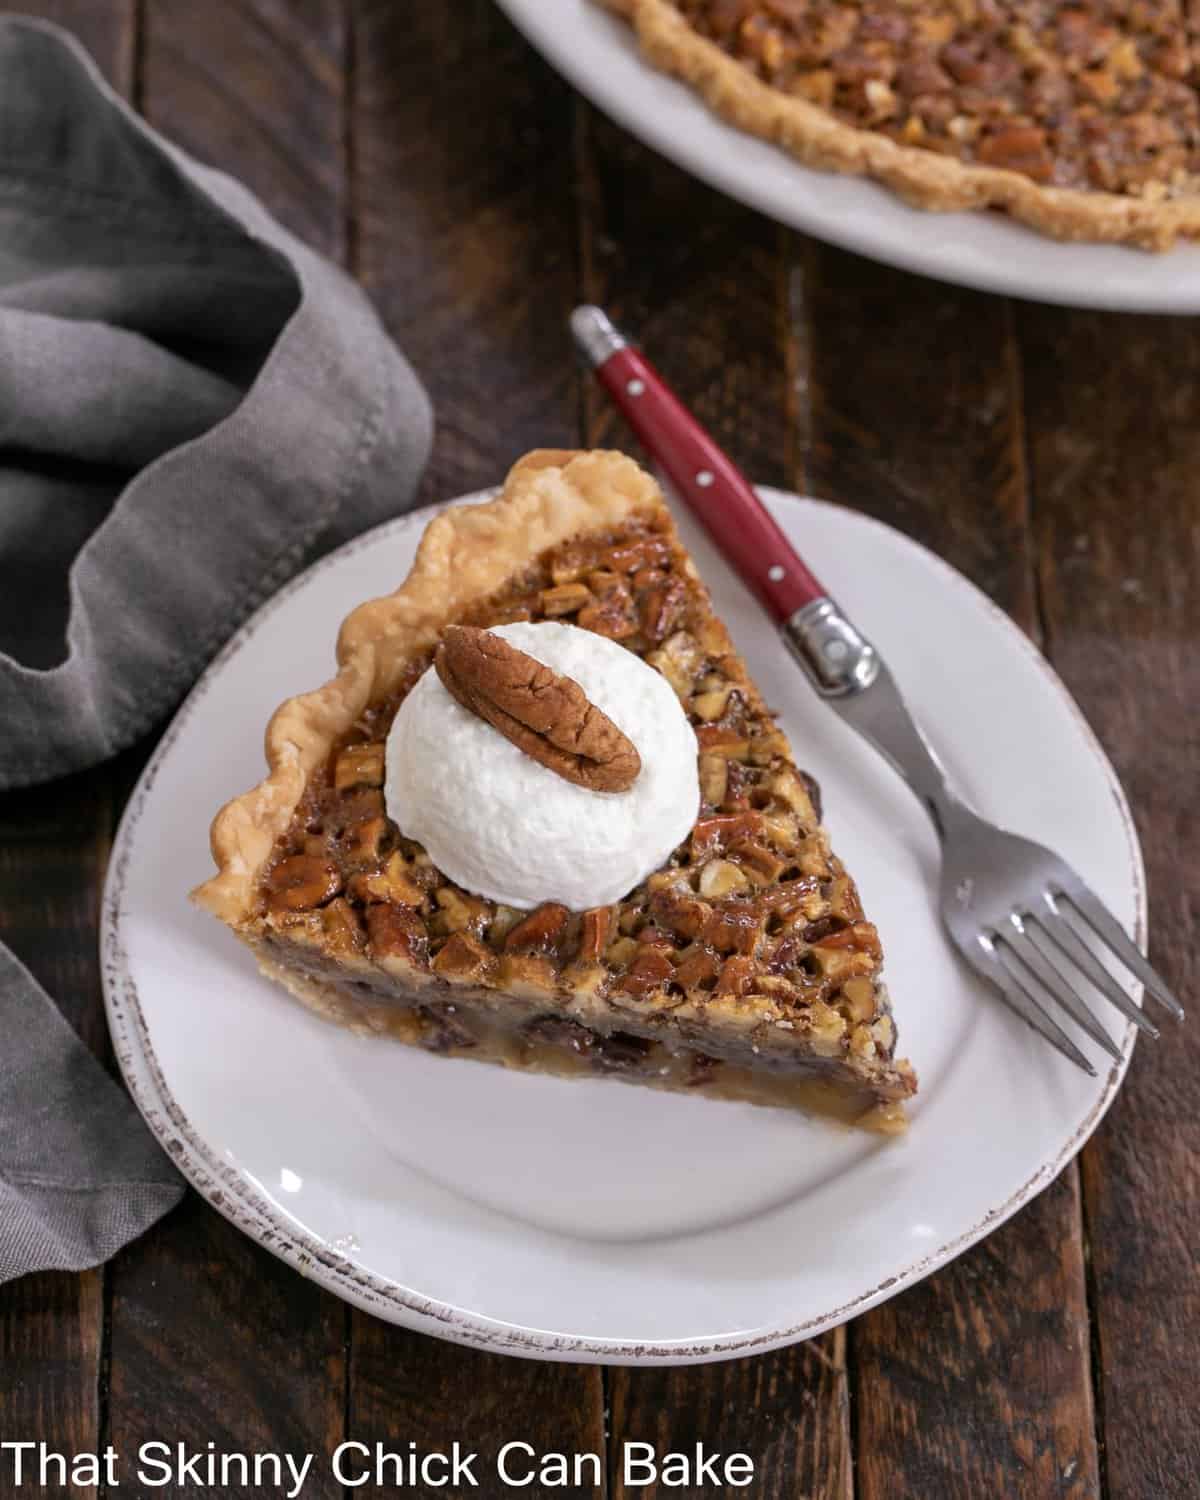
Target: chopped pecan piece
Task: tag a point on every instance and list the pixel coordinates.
(612, 612)
(859, 996)
(715, 739)
(697, 970)
(719, 831)
(359, 765)
(714, 778)
(678, 659)
(650, 970)
(343, 931)
(463, 960)
(392, 883)
(1019, 148)
(541, 930)
(648, 552)
(737, 976)
(366, 842)
(459, 912)
(596, 929)
(397, 935)
(712, 703)
(680, 911)
(661, 609)
(720, 878)
(735, 926)
(564, 599)
(302, 881)
(860, 935)
(764, 866)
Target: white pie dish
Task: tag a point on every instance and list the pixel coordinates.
(596, 1220)
(597, 52)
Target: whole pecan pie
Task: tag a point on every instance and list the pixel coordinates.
(1079, 119)
(741, 966)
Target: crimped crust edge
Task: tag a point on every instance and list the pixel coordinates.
(921, 177)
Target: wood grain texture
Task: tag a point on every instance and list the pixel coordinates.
(53, 847)
(701, 283)
(789, 1411)
(407, 1388)
(214, 1340)
(697, 280)
(978, 1381)
(911, 412)
(257, 87)
(1115, 453)
(462, 194)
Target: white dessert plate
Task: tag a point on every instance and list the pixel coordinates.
(594, 1220)
(597, 52)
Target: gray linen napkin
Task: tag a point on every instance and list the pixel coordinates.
(192, 405)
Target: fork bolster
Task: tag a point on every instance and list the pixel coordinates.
(832, 650)
(878, 712)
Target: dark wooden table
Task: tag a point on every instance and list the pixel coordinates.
(1053, 456)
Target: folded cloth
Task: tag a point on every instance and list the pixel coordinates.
(80, 1175)
(192, 405)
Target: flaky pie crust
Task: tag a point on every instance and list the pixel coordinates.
(923, 178)
(466, 554)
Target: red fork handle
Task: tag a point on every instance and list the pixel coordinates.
(710, 483)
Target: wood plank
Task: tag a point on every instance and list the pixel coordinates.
(406, 1388)
(1115, 454)
(53, 847)
(258, 88)
(788, 1411)
(463, 183)
(702, 283)
(53, 844)
(461, 150)
(914, 414)
(976, 1381)
(212, 1338)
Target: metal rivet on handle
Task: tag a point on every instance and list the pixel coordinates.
(704, 478)
(835, 650)
(775, 573)
(635, 387)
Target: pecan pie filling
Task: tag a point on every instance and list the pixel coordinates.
(741, 966)
(1096, 94)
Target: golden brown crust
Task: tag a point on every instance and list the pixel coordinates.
(466, 554)
(923, 178)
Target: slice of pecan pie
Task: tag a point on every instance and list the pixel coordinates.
(1081, 119)
(532, 638)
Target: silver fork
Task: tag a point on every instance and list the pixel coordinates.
(1019, 915)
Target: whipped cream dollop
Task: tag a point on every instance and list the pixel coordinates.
(501, 824)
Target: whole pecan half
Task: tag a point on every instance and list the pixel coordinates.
(548, 716)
